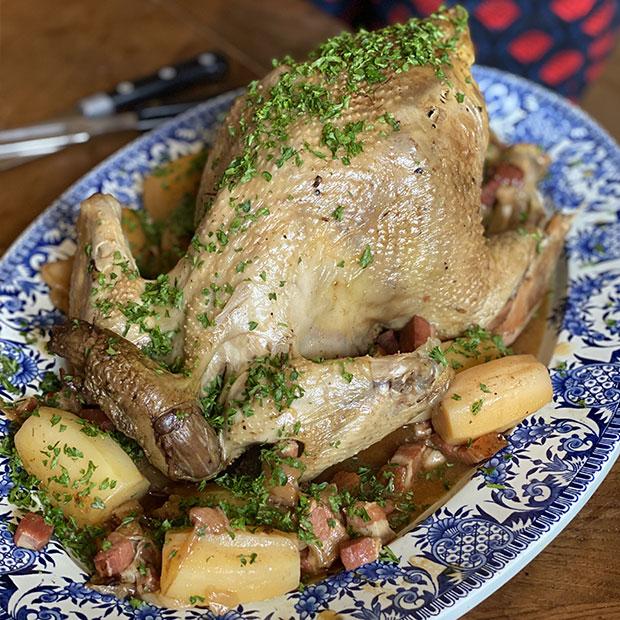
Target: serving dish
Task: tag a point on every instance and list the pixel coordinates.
(512, 507)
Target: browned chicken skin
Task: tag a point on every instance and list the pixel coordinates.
(313, 258)
(144, 401)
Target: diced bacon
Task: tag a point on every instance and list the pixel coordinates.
(389, 507)
(369, 519)
(395, 477)
(19, 410)
(129, 556)
(405, 463)
(129, 509)
(388, 342)
(311, 560)
(479, 450)
(32, 532)
(329, 491)
(422, 430)
(209, 520)
(286, 494)
(503, 174)
(359, 551)
(288, 449)
(144, 570)
(330, 532)
(321, 517)
(409, 454)
(97, 417)
(148, 561)
(433, 459)
(414, 334)
(114, 560)
(347, 481)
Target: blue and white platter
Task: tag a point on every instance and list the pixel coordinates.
(506, 514)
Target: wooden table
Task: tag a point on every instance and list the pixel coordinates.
(53, 53)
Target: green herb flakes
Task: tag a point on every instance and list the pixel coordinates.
(476, 406)
(366, 257)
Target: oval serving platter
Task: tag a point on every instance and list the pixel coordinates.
(511, 508)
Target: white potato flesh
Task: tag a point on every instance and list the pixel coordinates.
(217, 568)
(86, 477)
(492, 397)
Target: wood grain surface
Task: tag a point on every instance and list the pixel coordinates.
(52, 53)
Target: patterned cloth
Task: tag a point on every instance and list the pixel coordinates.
(559, 43)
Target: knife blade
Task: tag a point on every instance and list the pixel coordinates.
(45, 138)
(102, 113)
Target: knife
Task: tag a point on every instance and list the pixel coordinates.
(25, 143)
(103, 112)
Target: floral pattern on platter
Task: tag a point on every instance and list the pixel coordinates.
(513, 505)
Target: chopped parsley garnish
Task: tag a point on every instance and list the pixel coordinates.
(162, 293)
(247, 559)
(98, 504)
(437, 354)
(8, 369)
(50, 383)
(338, 212)
(477, 342)
(476, 406)
(347, 376)
(204, 320)
(387, 555)
(136, 603)
(212, 409)
(362, 61)
(366, 257)
(388, 117)
(343, 142)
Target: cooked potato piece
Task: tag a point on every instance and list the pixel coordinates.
(217, 568)
(134, 232)
(492, 397)
(57, 275)
(86, 477)
(168, 185)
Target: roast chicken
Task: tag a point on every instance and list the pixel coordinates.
(341, 197)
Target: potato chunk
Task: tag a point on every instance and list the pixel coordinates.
(86, 477)
(217, 568)
(167, 186)
(57, 275)
(492, 397)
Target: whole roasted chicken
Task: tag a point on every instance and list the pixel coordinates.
(341, 197)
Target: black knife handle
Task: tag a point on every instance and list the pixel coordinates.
(206, 68)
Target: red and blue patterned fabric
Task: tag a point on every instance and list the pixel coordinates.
(559, 43)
